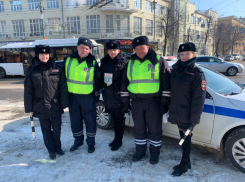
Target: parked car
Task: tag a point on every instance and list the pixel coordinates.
(217, 64)
(222, 125)
(236, 56)
(229, 58)
(170, 58)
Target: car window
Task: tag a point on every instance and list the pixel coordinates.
(220, 83)
(202, 59)
(212, 60)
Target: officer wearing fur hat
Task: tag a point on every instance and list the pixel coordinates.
(111, 72)
(188, 87)
(46, 95)
(82, 76)
(147, 81)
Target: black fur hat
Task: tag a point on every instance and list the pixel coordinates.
(113, 44)
(42, 49)
(189, 46)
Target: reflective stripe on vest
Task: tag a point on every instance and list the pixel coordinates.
(80, 78)
(143, 76)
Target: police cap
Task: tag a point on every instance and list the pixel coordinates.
(189, 46)
(85, 41)
(141, 40)
(113, 44)
(42, 49)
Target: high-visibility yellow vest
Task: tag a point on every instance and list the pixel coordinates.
(143, 77)
(80, 78)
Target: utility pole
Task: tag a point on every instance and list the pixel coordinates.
(154, 30)
(41, 8)
(63, 24)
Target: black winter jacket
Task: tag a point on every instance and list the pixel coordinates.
(90, 58)
(164, 90)
(116, 66)
(188, 87)
(45, 89)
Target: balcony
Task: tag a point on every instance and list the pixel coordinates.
(118, 7)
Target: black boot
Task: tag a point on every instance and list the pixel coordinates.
(183, 166)
(91, 149)
(154, 159)
(52, 156)
(119, 131)
(137, 157)
(112, 143)
(60, 151)
(75, 146)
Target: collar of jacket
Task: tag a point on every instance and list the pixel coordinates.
(185, 64)
(37, 63)
(151, 56)
(115, 60)
(90, 57)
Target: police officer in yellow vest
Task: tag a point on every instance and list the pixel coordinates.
(147, 81)
(82, 76)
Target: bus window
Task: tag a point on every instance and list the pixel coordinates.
(62, 53)
(2, 57)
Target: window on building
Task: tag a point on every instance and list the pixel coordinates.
(138, 4)
(192, 19)
(73, 25)
(93, 23)
(197, 21)
(243, 30)
(90, 2)
(18, 28)
(71, 4)
(137, 26)
(54, 26)
(159, 29)
(33, 4)
(109, 24)
(118, 23)
(1, 6)
(52, 4)
(126, 24)
(109, 1)
(202, 35)
(123, 2)
(16, 5)
(159, 9)
(3, 29)
(192, 34)
(232, 28)
(197, 34)
(148, 6)
(206, 24)
(149, 26)
(36, 27)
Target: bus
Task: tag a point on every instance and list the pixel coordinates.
(15, 58)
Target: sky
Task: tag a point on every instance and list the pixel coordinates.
(222, 7)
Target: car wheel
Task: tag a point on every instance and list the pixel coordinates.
(235, 149)
(104, 120)
(2, 73)
(231, 71)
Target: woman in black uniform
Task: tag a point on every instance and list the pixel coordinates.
(188, 92)
(46, 95)
(111, 72)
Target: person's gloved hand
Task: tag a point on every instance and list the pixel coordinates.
(127, 107)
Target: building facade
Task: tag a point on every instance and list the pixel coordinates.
(230, 36)
(29, 20)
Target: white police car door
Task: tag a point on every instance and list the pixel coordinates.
(203, 131)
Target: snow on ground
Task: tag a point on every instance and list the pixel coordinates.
(19, 153)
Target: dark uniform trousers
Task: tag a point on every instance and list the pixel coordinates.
(51, 137)
(147, 117)
(82, 107)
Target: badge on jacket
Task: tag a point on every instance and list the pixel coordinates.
(85, 69)
(55, 71)
(203, 85)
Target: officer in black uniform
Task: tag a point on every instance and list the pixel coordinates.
(111, 72)
(46, 95)
(188, 87)
(82, 76)
(147, 81)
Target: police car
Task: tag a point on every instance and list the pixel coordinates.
(222, 125)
